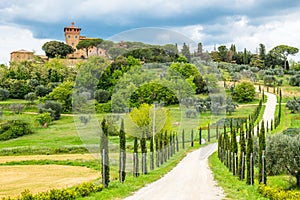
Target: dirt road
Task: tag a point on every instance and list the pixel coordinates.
(190, 179)
(269, 111)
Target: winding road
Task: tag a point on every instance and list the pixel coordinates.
(192, 178)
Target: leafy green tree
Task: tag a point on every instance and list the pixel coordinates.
(185, 51)
(88, 44)
(143, 117)
(200, 84)
(282, 155)
(105, 157)
(283, 51)
(223, 51)
(170, 48)
(262, 51)
(244, 92)
(55, 48)
(62, 94)
(17, 88)
(152, 92)
(185, 69)
(58, 71)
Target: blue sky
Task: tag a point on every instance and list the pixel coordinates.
(28, 24)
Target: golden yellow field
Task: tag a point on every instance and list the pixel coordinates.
(38, 178)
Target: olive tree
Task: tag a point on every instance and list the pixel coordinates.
(283, 155)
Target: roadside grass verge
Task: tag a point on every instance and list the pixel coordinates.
(233, 187)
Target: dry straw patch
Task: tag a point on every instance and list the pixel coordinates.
(5, 159)
(39, 178)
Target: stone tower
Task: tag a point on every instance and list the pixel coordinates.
(72, 35)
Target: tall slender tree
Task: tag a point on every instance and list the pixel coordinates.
(249, 159)
(242, 154)
(261, 158)
(122, 152)
(104, 153)
(144, 154)
(135, 158)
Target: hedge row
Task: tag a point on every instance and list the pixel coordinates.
(278, 193)
(82, 190)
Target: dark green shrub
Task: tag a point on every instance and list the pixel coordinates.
(295, 80)
(13, 129)
(41, 90)
(102, 96)
(54, 108)
(31, 96)
(4, 94)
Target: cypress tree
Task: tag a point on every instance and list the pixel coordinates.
(192, 138)
(183, 139)
(144, 154)
(249, 160)
(166, 146)
(177, 145)
(157, 150)
(161, 156)
(261, 159)
(135, 158)
(217, 131)
(208, 133)
(122, 136)
(242, 154)
(104, 153)
(200, 135)
(151, 154)
(234, 150)
(220, 142)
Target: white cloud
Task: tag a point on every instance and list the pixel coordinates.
(15, 38)
(239, 31)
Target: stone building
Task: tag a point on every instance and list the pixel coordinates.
(21, 55)
(73, 37)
